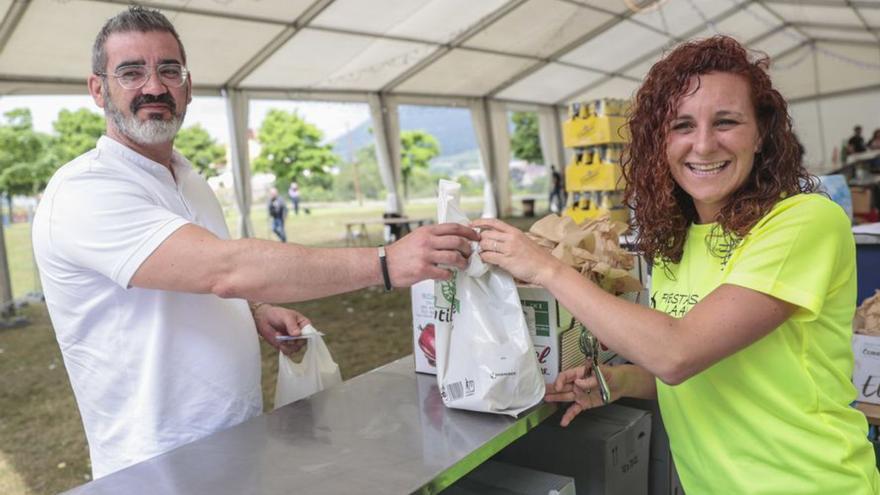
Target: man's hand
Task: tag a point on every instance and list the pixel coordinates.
(273, 321)
(415, 257)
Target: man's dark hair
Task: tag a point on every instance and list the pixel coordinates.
(136, 18)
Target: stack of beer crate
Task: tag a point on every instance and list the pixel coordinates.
(596, 131)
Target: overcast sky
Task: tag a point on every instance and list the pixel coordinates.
(332, 118)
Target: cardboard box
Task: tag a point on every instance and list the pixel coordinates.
(553, 335)
(423, 323)
(862, 199)
(556, 343)
(866, 374)
(544, 317)
(499, 477)
(606, 450)
(662, 475)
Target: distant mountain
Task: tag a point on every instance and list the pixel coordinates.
(451, 126)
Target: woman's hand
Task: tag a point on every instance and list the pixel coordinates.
(508, 247)
(583, 392)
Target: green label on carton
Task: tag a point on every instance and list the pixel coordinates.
(542, 316)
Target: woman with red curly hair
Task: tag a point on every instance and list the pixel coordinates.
(747, 347)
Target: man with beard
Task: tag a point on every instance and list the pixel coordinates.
(147, 294)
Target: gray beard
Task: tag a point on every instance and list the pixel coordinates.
(144, 132)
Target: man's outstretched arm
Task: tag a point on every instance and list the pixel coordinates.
(193, 259)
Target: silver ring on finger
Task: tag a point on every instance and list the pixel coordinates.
(495, 246)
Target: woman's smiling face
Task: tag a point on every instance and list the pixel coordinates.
(712, 140)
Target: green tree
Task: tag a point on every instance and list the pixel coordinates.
(417, 149)
(291, 149)
(22, 161)
(27, 179)
(525, 143)
(367, 176)
(200, 149)
(75, 133)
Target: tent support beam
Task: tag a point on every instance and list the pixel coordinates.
(818, 89)
(276, 43)
(13, 17)
(237, 105)
(793, 49)
(653, 54)
(832, 27)
(558, 53)
(454, 43)
(825, 3)
(408, 39)
(786, 24)
(386, 132)
(194, 10)
(835, 94)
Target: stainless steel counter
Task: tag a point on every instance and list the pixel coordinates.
(384, 432)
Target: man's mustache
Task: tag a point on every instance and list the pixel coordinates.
(164, 98)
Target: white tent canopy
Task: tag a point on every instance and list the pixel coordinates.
(484, 55)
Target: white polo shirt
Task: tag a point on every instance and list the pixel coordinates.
(151, 369)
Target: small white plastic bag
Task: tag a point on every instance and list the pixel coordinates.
(485, 358)
(314, 373)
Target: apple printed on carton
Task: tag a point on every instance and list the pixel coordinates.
(426, 343)
(425, 318)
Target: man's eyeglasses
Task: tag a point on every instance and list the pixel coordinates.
(136, 76)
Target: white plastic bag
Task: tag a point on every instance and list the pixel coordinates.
(316, 372)
(485, 358)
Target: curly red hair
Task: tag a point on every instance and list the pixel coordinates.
(663, 210)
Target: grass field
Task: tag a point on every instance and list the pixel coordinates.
(42, 445)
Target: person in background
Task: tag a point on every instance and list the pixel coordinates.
(278, 213)
(747, 343)
(293, 193)
(874, 143)
(856, 143)
(156, 310)
(557, 192)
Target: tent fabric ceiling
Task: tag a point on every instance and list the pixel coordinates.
(530, 51)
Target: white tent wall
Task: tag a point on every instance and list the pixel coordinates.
(486, 118)
(490, 124)
(567, 153)
(806, 122)
(480, 119)
(839, 114)
(846, 67)
(498, 121)
(237, 116)
(386, 130)
(550, 135)
(534, 52)
(822, 82)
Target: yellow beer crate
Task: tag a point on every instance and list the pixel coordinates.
(594, 130)
(593, 175)
(582, 215)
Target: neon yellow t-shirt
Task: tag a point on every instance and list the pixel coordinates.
(774, 417)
